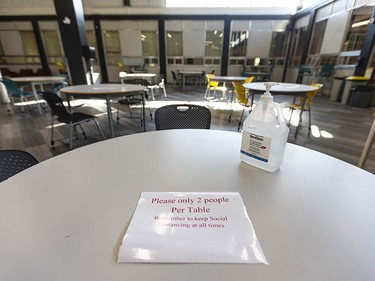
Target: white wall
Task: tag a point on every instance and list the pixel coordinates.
(335, 33)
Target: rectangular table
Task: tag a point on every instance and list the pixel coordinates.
(38, 81)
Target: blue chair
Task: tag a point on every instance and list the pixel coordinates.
(15, 92)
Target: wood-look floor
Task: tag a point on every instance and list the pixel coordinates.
(339, 130)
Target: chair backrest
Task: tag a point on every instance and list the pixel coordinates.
(311, 95)
(182, 116)
(174, 75)
(209, 82)
(141, 82)
(14, 161)
(305, 69)
(326, 70)
(11, 86)
(56, 104)
(240, 93)
(249, 79)
(26, 72)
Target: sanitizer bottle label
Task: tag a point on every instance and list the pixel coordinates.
(256, 146)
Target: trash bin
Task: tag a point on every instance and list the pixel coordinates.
(337, 88)
(361, 96)
(349, 83)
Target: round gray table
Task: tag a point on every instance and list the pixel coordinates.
(64, 218)
(107, 92)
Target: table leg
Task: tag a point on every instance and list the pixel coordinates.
(183, 82)
(109, 113)
(144, 110)
(300, 115)
(367, 147)
(36, 98)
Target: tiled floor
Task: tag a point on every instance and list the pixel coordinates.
(338, 130)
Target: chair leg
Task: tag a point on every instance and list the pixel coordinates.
(240, 122)
(165, 92)
(291, 114)
(130, 111)
(152, 94)
(52, 133)
(82, 130)
(206, 94)
(99, 128)
(118, 113)
(309, 123)
(71, 136)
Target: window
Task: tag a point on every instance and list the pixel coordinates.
(112, 42)
(356, 34)
(317, 37)
(91, 38)
(2, 54)
(150, 43)
(213, 44)
(278, 44)
(29, 43)
(238, 43)
(174, 43)
(299, 38)
(52, 44)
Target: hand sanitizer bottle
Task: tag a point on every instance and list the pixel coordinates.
(264, 134)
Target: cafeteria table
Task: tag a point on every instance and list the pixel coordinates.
(287, 89)
(64, 218)
(107, 92)
(34, 81)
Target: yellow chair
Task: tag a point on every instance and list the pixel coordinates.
(214, 86)
(242, 97)
(304, 104)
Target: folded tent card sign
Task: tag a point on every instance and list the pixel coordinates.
(180, 227)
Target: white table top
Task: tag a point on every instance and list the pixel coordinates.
(64, 218)
(102, 89)
(190, 72)
(228, 78)
(137, 75)
(39, 79)
(280, 87)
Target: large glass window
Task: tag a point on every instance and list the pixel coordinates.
(213, 44)
(2, 58)
(238, 43)
(29, 43)
(91, 39)
(112, 42)
(299, 39)
(278, 44)
(52, 44)
(317, 37)
(357, 32)
(174, 43)
(150, 43)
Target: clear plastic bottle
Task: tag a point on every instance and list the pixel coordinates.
(264, 134)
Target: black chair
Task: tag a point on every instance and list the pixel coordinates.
(14, 161)
(73, 119)
(135, 99)
(177, 80)
(182, 116)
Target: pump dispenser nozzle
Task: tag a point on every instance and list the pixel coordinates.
(266, 97)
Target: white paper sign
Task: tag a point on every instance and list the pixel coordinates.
(176, 227)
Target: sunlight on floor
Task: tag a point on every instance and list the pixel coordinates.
(315, 130)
